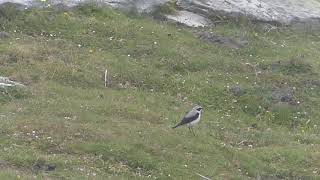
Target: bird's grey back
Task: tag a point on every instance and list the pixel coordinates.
(191, 113)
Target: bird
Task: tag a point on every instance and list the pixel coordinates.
(191, 118)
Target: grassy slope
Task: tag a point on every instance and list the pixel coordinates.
(67, 118)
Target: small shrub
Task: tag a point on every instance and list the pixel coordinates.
(290, 67)
(296, 66)
(9, 11)
(167, 8)
(252, 105)
(284, 115)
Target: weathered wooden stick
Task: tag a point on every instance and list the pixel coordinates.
(203, 176)
(106, 78)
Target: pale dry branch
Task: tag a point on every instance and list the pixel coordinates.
(204, 177)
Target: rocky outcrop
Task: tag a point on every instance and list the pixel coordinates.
(6, 82)
(198, 12)
(283, 12)
(189, 18)
(142, 6)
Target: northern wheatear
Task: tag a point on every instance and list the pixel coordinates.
(191, 118)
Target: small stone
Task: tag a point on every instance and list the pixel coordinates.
(221, 40)
(4, 35)
(283, 95)
(237, 90)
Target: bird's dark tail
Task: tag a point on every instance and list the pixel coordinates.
(176, 126)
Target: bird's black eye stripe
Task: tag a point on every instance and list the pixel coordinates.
(199, 109)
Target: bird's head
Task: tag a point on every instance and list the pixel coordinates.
(198, 108)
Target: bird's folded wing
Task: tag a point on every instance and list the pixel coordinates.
(191, 116)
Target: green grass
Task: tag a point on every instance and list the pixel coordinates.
(67, 117)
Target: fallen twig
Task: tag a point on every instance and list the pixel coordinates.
(204, 177)
(106, 78)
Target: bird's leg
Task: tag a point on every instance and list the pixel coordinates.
(189, 128)
(192, 131)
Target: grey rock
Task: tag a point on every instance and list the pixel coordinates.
(6, 82)
(224, 41)
(141, 6)
(311, 83)
(41, 166)
(189, 19)
(283, 95)
(301, 13)
(17, 4)
(8, 9)
(4, 35)
(284, 11)
(237, 90)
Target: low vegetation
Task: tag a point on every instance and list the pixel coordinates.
(261, 101)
